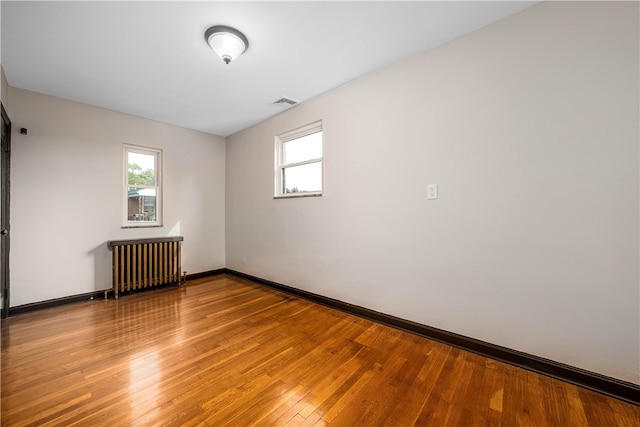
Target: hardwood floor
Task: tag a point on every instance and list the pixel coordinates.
(223, 351)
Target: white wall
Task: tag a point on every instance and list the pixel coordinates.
(67, 194)
(4, 90)
(530, 129)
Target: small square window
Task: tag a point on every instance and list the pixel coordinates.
(299, 162)
(142, 190)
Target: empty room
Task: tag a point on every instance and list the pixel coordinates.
(375, 213)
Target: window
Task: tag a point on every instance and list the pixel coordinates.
(142, 188)
(299, 162)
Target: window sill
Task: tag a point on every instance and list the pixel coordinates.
(297, 195)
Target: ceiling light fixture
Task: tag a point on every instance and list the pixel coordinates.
(228, 43)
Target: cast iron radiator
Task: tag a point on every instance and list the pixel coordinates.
(145, 263)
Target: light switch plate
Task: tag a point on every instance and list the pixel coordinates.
(432, 191)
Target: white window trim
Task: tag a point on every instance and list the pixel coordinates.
(157, 153)
(280, 140)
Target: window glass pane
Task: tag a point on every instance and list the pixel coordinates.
(303, 178)
(141, 204)
(141, 169)
(301, 149)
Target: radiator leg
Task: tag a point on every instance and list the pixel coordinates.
(105, 294)
(184, 278)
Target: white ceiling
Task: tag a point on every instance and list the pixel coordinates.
(150, 59)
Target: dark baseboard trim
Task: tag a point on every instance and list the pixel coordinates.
(206, 274)
(43, 305)
(613, 387)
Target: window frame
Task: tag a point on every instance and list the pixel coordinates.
(280, 166)
(157, 154)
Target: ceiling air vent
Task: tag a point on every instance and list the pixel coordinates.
(285, 102)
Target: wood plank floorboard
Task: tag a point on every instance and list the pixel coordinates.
(223, 351)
